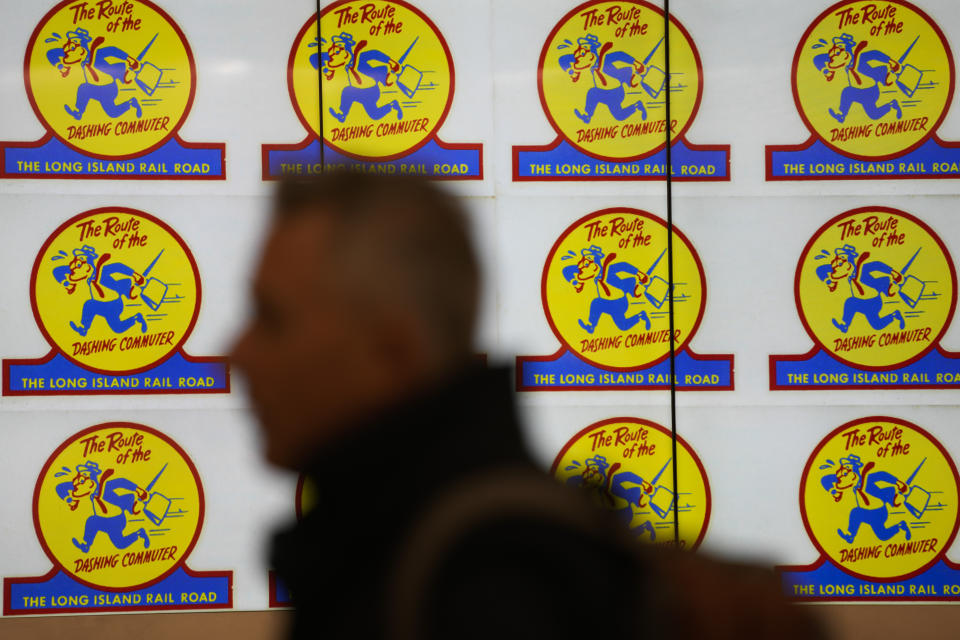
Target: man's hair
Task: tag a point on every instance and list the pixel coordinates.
(403, 241)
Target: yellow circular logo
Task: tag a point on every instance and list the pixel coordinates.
(118, 506)
(627, 466)
(606, 293)
(603, 80)
(387, 78)
(115, 290)
(879, 498)
(110, 79)
(873, 79)
(876, 288)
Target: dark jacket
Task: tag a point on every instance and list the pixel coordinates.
(522, 574)
(511, 577)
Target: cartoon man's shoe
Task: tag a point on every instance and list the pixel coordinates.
(582, 116)
(143, 536)
(906, 529)
(839, 117)
(642, 109)
(336, 114)
(83, 546)
(586, 326)
(74, 112)
(143, 322)
(900, 318)
(841, 326)
(646, 319)
(896, 107)
(396, 107)
(136, 105)
(81, 330)
(846, 536)
(646, 526)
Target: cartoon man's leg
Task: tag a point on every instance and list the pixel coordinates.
(646, 526)
(624, 323)
(858, 515)
(367, 98)
(875, 112)
(848, 96)
(110, 106)
(121, 326)
(112, 313)
(870, 309)
(621, 112)
(597, 309)
(91, 309)
(93, 526)
(877, 520)
(594, 97)
(114, 530)
(85, 93)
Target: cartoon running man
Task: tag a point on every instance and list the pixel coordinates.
(610, 73)
(868, 283)
(598, 477)
(111, 498)
(367, 70)
(103, 68)
(613, 283)
(873, 491)
(107, 283)
(866, 71)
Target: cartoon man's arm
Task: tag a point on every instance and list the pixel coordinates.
(566, 63)
(64, 489)
(376, 64)
(622, 66)
(823, 274)
(111, 272)
(116, 485)
(55, 57)
(634, 495)
(880, 275)
(570, 275)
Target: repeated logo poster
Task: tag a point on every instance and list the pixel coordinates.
(627, 466)
(118, 508)
(116, 293)
(388, 80)
(607, 296)
(876, 289)
(872, 82)
(604, 88)
(879, 501)
(112, 82)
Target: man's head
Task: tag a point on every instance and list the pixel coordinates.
(366, 293)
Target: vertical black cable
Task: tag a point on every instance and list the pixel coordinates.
(320, 85)
(673, 343)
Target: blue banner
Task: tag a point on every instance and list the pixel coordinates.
(932, 159)
(567, 371)
(564, 162)
(432, 160)
(827, 582)
(62, 594)
(59, 376)
(53, 159)
(938, 369)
